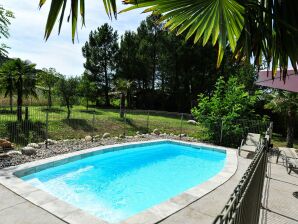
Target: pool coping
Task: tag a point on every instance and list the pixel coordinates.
(73, 215)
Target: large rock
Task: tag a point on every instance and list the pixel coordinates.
(106, 135)
(88, 138)
(6, 144)
(28, 151)
(13, 152)
(34, 145)
(156, 131)
(121, 136)
(3, 140)
(3, 155)
(51, 142)
(192, 122)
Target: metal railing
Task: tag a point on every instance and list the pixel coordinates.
(244, 205)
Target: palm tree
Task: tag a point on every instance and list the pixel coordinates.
(263, 29)
(25, 81)
(285, 103)
(123, 87)
(21, 80)
(6, 78)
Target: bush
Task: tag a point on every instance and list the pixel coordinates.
(226, 110)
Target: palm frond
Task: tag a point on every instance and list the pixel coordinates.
(77, 9)
(221, 21)
(251, 28)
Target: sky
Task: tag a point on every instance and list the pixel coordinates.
(27, 31)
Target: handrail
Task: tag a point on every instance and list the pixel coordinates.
(243, 206)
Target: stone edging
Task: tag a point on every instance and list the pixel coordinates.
(72, 215)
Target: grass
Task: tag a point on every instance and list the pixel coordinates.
(89, 122)
(84, 122)
(279, 141)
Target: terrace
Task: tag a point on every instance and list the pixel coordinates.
(278, 202)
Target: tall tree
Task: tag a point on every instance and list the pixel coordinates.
(100, 53)
(287, 104)
(150, 32)
(47, 78)
(5, 17)
(67, 88)
(21, 77)
(87, 89)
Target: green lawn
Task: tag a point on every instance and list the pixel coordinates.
(97, 122)
(90, 122)
(279, 141)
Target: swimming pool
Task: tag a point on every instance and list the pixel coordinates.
(126, 180)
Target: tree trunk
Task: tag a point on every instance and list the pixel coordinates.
(10, 100)
(26, 113)
(290, 128)
(106, 88)
(50, 98)
(122, 104)
(128, 99)
(154, 62)
(97, 104)
(20, 98)
(68, 111)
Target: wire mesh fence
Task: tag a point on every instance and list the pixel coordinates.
(40, 123)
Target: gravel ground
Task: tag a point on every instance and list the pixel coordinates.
(72, 145)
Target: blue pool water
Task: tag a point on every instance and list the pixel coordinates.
(119, 184)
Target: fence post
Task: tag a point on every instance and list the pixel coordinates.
(181, 120)
(47, 126)
(148, 114)
(124, 123)
(221, 130)
(93, 125)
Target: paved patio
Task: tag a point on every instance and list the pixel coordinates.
(279, 203)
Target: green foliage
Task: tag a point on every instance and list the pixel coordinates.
(7, 81)
(165, 72)
(285, 103)
(282, 101)
(67, 88)
(263, 29)
(100, 53)
(87, 89)
(20, 78)
(47, 78)
(5, 17)
(228, 103)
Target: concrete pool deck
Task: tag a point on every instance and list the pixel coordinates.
(15, 209)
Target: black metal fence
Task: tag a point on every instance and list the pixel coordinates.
(41, 123)
(244, 205)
